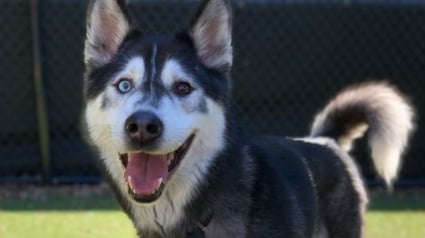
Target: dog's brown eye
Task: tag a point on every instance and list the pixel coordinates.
(182, 88)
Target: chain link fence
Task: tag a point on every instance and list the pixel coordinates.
(291, 57)
(19, 151)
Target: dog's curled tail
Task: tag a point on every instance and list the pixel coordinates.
(377, 107)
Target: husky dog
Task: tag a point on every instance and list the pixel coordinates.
(158, 110)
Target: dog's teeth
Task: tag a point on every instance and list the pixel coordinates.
(160, 180)
(170, 159)
(130, 179)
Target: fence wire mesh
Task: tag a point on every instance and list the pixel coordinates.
(19, 153)
(290, 58)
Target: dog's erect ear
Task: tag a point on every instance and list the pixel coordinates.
(107, 25)
(211, 32)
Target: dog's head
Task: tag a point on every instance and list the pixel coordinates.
(155, 105)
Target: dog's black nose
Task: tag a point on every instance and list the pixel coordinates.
(143, 127)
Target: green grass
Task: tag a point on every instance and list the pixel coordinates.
(401, 215)
(64, 217)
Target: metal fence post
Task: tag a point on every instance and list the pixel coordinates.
(40, 97)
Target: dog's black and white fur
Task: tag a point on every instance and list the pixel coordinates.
(158, 112)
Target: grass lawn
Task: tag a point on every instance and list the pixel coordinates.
(401, 215)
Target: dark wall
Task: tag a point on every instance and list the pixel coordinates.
(290, 59)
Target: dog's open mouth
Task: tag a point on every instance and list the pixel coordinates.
(146, 174)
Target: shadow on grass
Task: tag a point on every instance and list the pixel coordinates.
(61, 203)
(410, 199)
(400, 200)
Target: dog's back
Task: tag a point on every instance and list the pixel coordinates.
(311, 187)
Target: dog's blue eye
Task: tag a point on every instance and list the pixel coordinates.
(124, 86)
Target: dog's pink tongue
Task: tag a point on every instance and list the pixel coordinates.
(145, 172)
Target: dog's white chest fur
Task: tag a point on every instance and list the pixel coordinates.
(162, 215)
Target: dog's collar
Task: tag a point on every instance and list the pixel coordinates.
(196, 233)
(201, 224)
